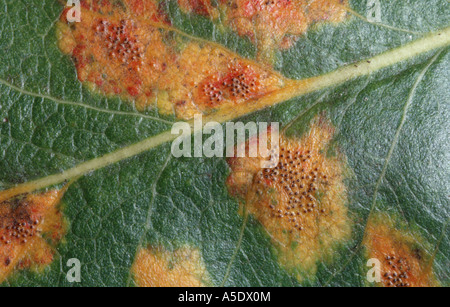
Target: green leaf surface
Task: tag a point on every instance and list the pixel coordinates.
(391, 123)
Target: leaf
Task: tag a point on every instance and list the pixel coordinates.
(373, 95)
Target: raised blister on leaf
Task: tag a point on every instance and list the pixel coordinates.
(159, 267)
(404, 261)
(135, 54)
(301, 202)
(30, 226)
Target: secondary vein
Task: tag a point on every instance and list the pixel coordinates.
(399, 130)
(293, 89)
(79, 104)
(388, 158)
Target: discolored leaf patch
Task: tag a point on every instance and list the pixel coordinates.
(158, 267)
(404, 261)
(29, 228)
(270, 24)
(301, 202)
(133, 53)
(380, 77)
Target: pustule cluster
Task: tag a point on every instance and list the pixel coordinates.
(301, 201)
(30, 226)
(404, 256)
(396, 272)
(122, 45)
(132, 51)
(20, 231)
(300, 180)
(237, 84)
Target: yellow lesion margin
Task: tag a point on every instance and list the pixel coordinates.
(292, 89)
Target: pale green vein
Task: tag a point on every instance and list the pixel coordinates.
(379, 24)
(399, 130)
(292, 90)
(80, 105)
(150, 208)
(352, 101)
(91, 165)
(389, 156)
(315, 103)
(237, 249)
(252, 268)
(438, 242)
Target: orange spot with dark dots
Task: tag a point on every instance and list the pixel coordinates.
(238, 84)
(121, 45)
(404, 262)
(131, 52)
(301, 201)
(158, 267)
(271, 23)
(29, 227)
(114, 48)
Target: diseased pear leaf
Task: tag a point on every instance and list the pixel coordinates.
(369, 98)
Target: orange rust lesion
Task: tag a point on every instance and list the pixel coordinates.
(270, 24)
(404, 262)
(200, 7)
(301, 203)
(159, 267)
(130, 51)
(30, 226)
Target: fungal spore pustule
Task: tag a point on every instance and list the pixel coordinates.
(30, 226)
(301, 202)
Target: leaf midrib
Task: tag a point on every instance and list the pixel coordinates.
(293, 89)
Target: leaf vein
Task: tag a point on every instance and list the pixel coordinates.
(81, 105)
(150, 208)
